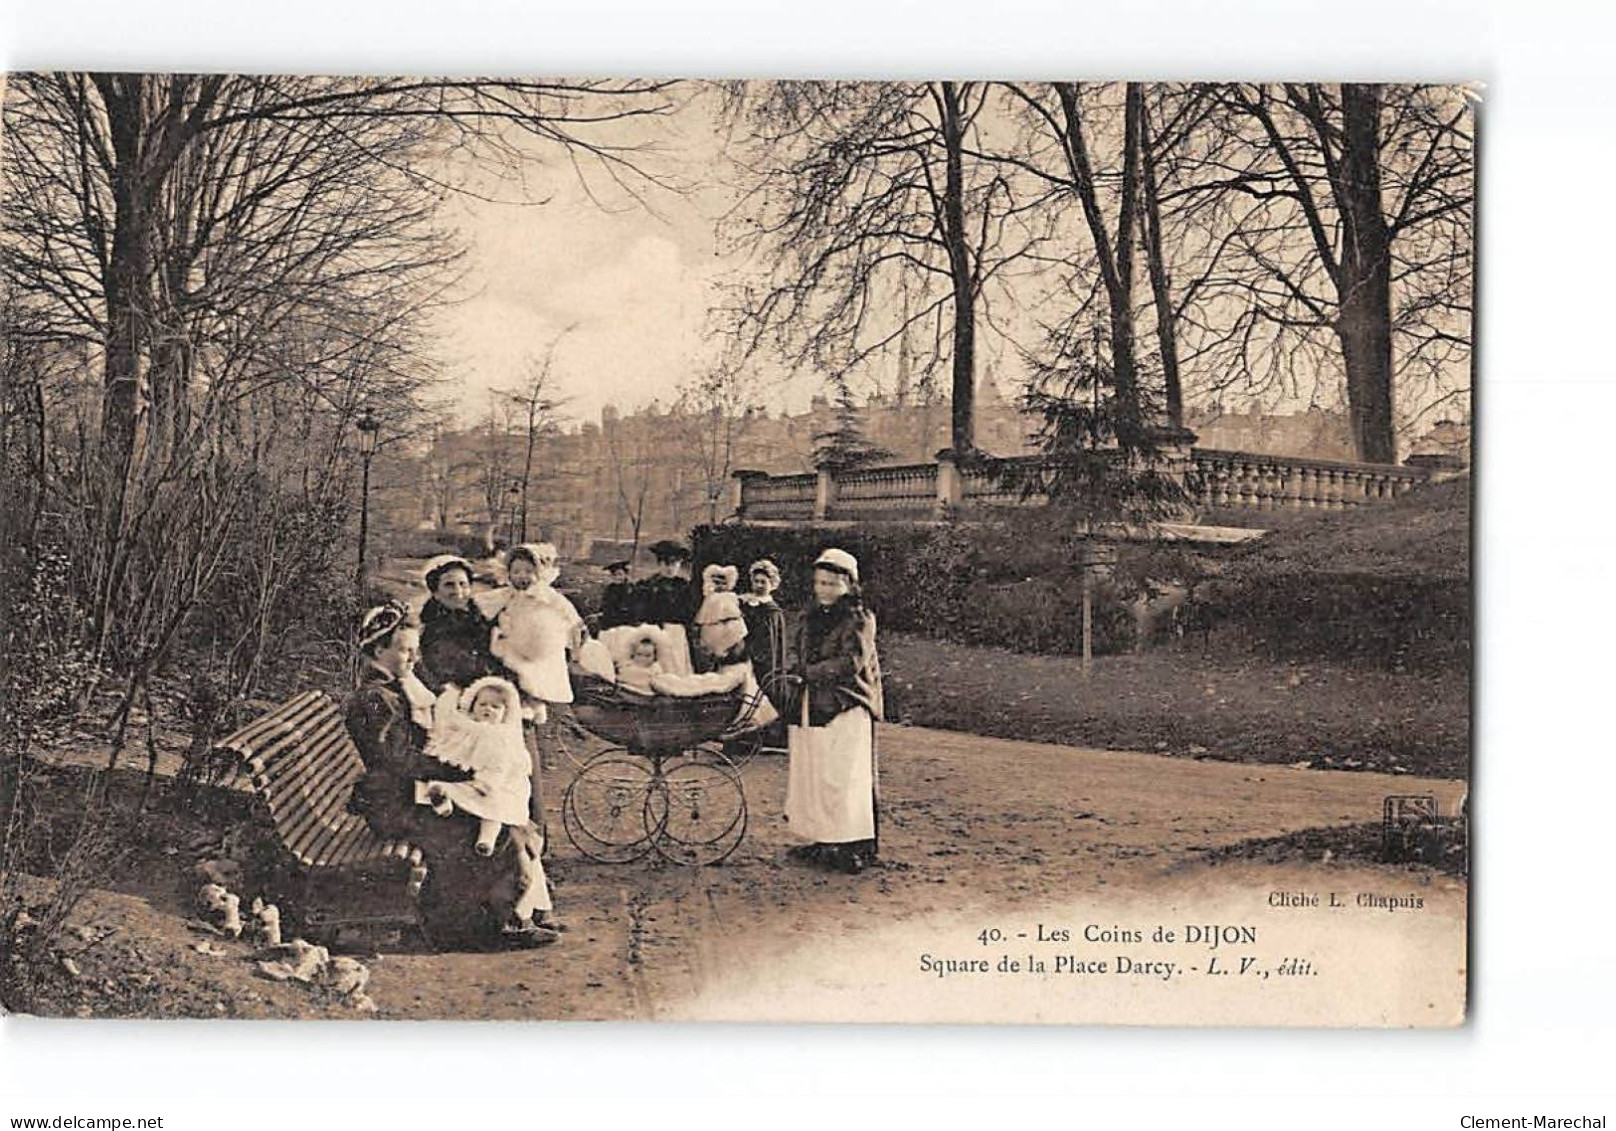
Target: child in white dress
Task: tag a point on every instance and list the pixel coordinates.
(640, 667)
(534, 625)
(480, 729)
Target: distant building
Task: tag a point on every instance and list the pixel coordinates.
(666, 471)
(1313, 434)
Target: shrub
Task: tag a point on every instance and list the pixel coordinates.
(985, 584)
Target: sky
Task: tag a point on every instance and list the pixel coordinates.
(628, 286)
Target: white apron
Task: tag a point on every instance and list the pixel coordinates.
(830, 782)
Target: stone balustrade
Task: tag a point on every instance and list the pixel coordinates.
(1259, 482)
(1215, 479)
(884, 492)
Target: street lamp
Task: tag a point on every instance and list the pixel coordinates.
(369, 430)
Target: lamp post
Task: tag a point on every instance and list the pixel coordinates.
(369, 430)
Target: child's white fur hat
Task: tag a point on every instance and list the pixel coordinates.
(507, 691)
(645, 632)
(711, 574)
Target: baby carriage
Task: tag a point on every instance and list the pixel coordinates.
(664, 784)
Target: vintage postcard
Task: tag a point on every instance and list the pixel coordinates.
(950, 551)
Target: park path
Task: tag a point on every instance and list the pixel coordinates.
(975, 830)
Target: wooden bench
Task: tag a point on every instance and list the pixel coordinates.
(303, 766)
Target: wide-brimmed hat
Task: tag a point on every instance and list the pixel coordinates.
(668, 550)
(625, 565)
(442, 564)
(838, 561)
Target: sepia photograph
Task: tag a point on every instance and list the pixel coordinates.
(789, 550)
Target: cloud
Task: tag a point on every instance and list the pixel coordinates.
(637, 313)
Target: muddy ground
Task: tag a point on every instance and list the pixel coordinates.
(975, 832)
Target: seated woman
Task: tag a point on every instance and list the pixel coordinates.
(466, 897)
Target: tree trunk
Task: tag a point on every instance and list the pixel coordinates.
(1115, 260)
(1124, 364)
(126, 285)
(963, 437)
(1364, 320)
(1160, 284)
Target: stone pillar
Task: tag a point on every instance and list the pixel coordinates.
(737, 489)
(1177, 449)
(824, 494)
(950, 484)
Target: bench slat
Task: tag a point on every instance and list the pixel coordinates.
(274, 730)
(320, 787)
(288, 756)
(333, 818)
(252, 733)
(346, 839)
(367, 849)
(303, 764)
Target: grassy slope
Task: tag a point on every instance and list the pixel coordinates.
(1244, 709)
(1425, 533)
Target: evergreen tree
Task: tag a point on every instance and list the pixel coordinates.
(845, 447)
(1101, 462)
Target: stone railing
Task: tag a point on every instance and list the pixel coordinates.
(781, 498)
(1258, 482)
(909, 490)
(1215, 479)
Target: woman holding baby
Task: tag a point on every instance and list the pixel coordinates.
(467, 895)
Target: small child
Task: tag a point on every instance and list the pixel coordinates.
(534, 624)
(719, 579)
(640, 667)
(480, 729)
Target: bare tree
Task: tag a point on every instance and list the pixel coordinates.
(131, 135)
(247, 261)
(535, 410)
(1360, 227)
(716, 411)
(1061, 110)
(632, 462)
(855, 193)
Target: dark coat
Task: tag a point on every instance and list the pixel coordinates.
(466, 894)
(618, 605)
(765, 639)
(455, 646)
(390, 745)
(837, 662)
(666, 600)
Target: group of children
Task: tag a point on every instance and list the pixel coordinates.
(644, 649)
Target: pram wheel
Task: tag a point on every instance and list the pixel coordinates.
(699, 808)
(609, 808)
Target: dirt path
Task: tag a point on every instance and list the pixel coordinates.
(976, 831)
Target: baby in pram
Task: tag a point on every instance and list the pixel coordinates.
(640, 668)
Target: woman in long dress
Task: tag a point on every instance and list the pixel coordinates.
(831, 787)
(466, 897)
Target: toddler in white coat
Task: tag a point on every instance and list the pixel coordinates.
(480, 729)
